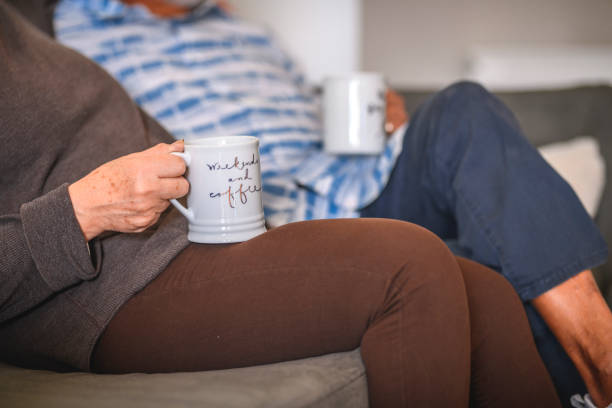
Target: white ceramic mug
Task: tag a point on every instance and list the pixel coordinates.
(354, 114)
(224, 203)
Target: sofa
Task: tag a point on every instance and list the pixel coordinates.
(335, 380)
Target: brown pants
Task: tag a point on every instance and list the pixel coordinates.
(434, 330)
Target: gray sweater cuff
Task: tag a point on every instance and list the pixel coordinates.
(55, 240)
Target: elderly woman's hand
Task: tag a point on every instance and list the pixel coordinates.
(129, 194)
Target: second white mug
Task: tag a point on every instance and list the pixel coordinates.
(354, 109)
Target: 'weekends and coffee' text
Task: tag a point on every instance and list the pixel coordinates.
(240, 184)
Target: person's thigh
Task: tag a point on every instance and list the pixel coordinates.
(301, 290)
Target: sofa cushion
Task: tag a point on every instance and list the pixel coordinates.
(580, 163)
(333, 380)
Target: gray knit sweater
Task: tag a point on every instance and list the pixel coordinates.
(61, 116)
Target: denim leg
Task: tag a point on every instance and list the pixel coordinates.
(468, 174)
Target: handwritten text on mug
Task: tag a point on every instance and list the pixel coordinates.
(236, 195)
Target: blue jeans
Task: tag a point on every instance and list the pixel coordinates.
(468, 174)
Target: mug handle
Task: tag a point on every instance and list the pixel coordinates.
(188, 213)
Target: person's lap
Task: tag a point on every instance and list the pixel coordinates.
(311, 288)
(319, 269)
(303, 290)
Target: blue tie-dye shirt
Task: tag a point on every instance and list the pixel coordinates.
(209, 74)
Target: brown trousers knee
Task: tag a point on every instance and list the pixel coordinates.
(434, 330)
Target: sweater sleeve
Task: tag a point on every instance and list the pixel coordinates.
(42, 251)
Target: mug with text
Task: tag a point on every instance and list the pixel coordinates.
(224, 203)
(354, 114)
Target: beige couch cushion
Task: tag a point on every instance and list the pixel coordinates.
(334, 380)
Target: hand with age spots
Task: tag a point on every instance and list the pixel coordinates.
(129, 194)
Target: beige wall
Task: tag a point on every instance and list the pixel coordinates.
(427, 43)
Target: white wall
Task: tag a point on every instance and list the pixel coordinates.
(427, 44)
(324, 36)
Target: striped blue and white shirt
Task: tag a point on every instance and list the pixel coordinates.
(209, 74)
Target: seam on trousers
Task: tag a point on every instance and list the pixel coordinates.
(283, 269)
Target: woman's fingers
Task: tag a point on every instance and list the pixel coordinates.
(170, 168)
(177, 146)
(173, 187)
(169, 165)
(160, 161)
